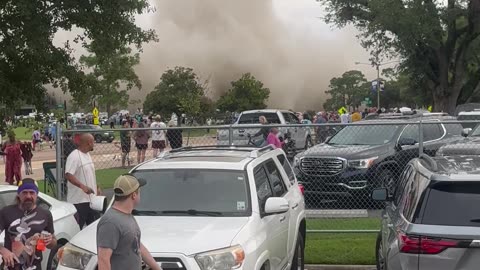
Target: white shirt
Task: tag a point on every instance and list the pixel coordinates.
(81, 166)
(158, 135)
(344, 118)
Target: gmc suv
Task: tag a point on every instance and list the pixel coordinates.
(360, 157)
(213, 208)
(432, 220)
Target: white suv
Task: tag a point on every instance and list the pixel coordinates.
(213, 208)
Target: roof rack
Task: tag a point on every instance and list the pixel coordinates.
(431, 161)
(245, 148)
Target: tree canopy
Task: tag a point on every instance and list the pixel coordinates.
(436, 41)
(110, 79)
(349, 90)
(179, 91)
(29, 58)
(247, 93)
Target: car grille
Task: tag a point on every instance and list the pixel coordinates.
(169, 264)
(322, 166)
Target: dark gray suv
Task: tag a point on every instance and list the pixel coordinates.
(432, 221)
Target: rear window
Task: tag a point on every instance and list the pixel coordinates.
(468, 118)
(252, 118)
(453, 204)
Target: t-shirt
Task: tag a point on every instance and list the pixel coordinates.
(36, 135)
(274, 140)
(120, 233)
(22, 229)
(81, 166)
(158, 135)
(125, 138)
(356, 117)
(345, 118)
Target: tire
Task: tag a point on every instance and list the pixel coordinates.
(110, 141)
(298, 262)
(98, 139)
(52, 261)
(380, 260)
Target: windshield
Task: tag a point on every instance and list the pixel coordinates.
(364, 135)
(187, 192)
(475, 131)
(253, 118)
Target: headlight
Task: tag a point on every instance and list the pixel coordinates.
(362, 163)
(222, 259)
(74, 257)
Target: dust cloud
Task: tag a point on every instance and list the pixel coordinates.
(222, 39)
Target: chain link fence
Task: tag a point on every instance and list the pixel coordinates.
(338, 164)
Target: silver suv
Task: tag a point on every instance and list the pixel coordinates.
(432, 221)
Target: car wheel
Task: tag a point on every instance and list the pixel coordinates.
(381, 264)
(308, 143)
(98, 139)
(298, 262)
(110, 141)
(52, 258)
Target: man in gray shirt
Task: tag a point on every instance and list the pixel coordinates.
(118, 234)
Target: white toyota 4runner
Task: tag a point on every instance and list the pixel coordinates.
(213, 208)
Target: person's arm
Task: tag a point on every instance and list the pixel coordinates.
(8, 257)
(147, 258)
(104, 255)
(51, 240)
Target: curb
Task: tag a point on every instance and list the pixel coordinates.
(339, 267)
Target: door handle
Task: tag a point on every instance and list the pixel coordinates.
(295, 206)
(282, 219)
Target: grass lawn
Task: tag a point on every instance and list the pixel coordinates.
(23, 134)
(341, 248)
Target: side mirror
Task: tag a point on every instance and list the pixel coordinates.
(381, 195)
(276, 206)
(406, 141)
(466, 131)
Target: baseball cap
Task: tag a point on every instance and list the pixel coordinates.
(127, 184)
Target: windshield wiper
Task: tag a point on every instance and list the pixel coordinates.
(136, 212)
(193, 212)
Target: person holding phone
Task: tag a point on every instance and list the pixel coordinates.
(80, 174)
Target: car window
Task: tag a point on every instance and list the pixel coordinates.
(452, 204)
(364, 135)
(432, 132)
(287, 117)
(286, 166)
(8, 198)
(276, 180)
(264, 191)
(410, 132)
(411, 196)
(253, 118)
(401, 184)
(294, 119)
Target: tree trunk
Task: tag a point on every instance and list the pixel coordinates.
(108, 106)
(445, 103)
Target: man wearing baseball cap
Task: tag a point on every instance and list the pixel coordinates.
(27, 228)
(118, 234)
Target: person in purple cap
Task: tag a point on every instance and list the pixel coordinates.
(28, 229)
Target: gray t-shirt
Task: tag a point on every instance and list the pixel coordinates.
(120, 232)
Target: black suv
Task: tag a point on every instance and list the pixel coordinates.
(370, 154)
(99, 136)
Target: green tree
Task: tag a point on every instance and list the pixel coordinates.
(434, 40)
(349, 90)
(110, 79)
(179, 91)
(247, 93)
(29, 59)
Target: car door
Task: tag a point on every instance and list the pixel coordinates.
(294, 197)
(406, 153)
(279, 188)
(272, 226)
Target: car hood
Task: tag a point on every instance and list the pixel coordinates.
(464, 146)
(185, 235)
(350, 152)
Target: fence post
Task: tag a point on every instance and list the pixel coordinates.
(58, 158)
(420, 138)
(230, 135)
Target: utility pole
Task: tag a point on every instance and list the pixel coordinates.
(378, 85)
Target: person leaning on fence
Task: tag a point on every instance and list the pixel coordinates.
(158, 136)
(80, 173)
(28, 229)
(141, 142)
(118, 234)
(125, 141)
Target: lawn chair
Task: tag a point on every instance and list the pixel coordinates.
(50, 169)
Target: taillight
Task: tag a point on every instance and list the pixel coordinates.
(302, 188)
(424, 245)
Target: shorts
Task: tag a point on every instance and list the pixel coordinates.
(141, 146)
(126, 148)
(159, 144)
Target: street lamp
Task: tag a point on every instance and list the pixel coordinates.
(378, 65)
